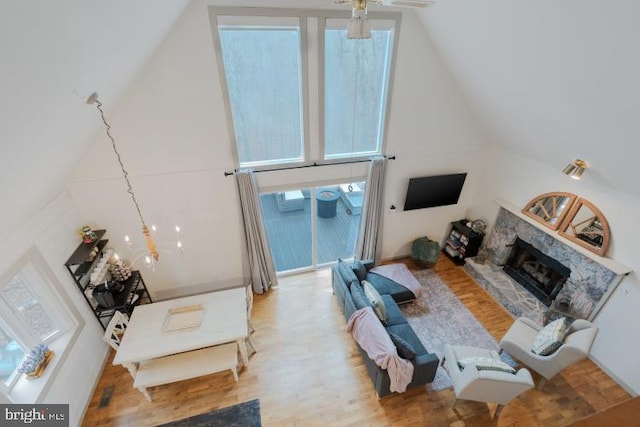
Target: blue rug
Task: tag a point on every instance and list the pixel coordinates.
(246, 414)
(439, 318)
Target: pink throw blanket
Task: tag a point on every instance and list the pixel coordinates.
(400, 274)
(366, 329)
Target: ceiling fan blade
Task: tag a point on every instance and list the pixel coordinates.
(342, 1)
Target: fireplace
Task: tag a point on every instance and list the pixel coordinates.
(540, 274)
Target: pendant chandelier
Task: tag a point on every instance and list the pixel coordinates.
(358, 27)
(152, 254)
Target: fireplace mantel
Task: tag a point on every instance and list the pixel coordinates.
(604, 261)
(593, 277)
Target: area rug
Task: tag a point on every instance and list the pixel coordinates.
(246, 414)
(439, 318)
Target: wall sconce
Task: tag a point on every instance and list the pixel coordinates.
(575, 169)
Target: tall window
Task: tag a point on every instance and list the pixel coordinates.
(262, 67)
(356, 85)
(31, 312)
(285, 71)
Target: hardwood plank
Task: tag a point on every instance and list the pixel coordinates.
(308, 372)
(621, 414)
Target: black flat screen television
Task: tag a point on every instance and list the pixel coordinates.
(431, 191)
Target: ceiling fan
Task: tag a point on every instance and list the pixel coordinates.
(359, 27)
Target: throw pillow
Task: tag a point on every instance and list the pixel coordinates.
(405, 350)
(360, 270)
(550, 338)
(486, 364)
(358, 296)
(375, 299)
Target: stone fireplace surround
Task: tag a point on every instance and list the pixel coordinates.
(592, 278)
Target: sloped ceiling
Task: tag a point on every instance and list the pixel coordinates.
(551, 80)
(54, 54)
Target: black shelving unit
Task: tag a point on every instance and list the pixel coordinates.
(80, 266)
(462, 242)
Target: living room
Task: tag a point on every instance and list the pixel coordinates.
(477, 89)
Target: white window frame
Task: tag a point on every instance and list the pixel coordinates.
(265, 17)
(40, 280)
(381, 23)
(312, 27)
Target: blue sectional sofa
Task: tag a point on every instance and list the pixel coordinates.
(348, 276)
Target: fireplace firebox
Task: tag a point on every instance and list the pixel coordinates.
(540, 274)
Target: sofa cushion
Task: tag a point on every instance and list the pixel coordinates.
(394, 315)
(347, 273)
(404, 348)
(387, 286)
(357, 294)
(550, 338)
(376, 300)
(486, 364)
(360, 270)
(405, 331)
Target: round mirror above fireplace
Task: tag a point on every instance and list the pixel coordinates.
(550, 209)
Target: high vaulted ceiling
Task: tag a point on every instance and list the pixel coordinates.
(54, 54)
(551, 80)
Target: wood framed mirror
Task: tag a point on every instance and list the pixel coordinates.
(586, 226)
(550, 209)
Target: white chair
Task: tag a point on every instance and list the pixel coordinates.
(478, 385)
(519, 339)
(249, 299)
(113, 335)
(115, 329)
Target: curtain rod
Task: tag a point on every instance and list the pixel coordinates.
(314, 164)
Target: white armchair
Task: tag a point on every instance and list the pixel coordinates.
(492, 386)
(519, 339)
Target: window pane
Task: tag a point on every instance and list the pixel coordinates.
(263, 75)
(11, 355)
(17, 295)
(356, 81)
(338, 234)
(21, 299)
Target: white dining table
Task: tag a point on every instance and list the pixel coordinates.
(223, 320)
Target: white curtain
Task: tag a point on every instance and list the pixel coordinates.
(370, 227)
(262, 270)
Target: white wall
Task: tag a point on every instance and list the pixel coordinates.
(173, 137)
(517, 180)
(431, 132)
(172, 134)
(53, 231)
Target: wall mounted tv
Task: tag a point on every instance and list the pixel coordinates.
(431, 191)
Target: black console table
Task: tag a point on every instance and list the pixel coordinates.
(131, 292)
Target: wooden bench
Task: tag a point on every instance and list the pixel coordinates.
(184, 366)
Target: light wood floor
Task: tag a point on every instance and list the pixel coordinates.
(308, 372)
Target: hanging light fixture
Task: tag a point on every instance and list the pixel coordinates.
(152, 254)
(575, 169)
(359, 27)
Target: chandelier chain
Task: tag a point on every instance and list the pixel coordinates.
(124, 171)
